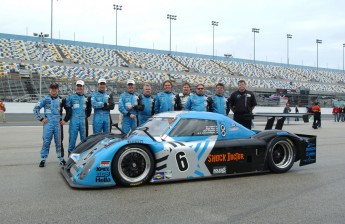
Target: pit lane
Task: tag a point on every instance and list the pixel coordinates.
(309, 194)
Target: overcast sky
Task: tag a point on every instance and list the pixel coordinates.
(144, 23)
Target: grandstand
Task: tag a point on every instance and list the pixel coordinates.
(66, 61)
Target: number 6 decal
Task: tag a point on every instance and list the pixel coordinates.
(182, 161)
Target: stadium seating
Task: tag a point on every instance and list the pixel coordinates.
(67, 61)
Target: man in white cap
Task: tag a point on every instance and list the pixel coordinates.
(129, 107)
(102, 103)
(77, 111)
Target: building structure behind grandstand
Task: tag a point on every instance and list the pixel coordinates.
(66, 61)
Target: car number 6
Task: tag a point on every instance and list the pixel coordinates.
(182, 161)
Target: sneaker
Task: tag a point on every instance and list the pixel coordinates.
(42, 163)
(62, 162)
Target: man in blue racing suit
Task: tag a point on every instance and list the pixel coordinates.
(79, 109)
(129, 106)
(198, 101)
(218, 101)
(148, 103)
(52, 123)
(165, 100)
(102, 103)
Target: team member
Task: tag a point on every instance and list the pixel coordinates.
(148, 103)
(79, 109)
(218, 101)
(52, 122)
(128, 106)
(242, 103)
(317, 115)
(102, 103)
(2, 111)
(165, 100)
(198, 101)
(181, 98)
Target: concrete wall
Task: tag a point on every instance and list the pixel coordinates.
(27, 108)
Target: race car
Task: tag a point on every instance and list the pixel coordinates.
(184, 145)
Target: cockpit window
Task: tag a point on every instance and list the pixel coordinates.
(156, 126)
(194, 127)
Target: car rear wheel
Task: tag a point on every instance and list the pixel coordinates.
(281, 155)
(133, 165)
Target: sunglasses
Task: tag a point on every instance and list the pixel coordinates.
(79, 85)
(200, 88)
(102, 83)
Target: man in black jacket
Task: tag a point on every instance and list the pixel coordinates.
(242, 102)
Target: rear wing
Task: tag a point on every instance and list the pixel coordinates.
(308, 151)
(280, 119)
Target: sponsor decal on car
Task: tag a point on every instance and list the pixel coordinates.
(233, 127)
(225, 157)
(136, 141)
(158, 176)
(105, 163)
(103, 174)
(219, 170)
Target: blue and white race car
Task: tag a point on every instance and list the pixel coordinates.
(184, 145)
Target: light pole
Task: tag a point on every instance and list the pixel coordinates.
(171, 17)
(343, 57)
(116, 8)
(255, 30)
(317, 52)
(288, 36)
(214, 23)
(51, 21)
(41, 37)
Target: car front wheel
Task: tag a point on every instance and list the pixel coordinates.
(133, 165)
(281, 155)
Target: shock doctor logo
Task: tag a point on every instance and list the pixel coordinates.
(225, 157)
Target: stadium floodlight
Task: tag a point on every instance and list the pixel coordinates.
(317, 53)
(116, 8)
(288, 36)
(214, 23)
(171, 17)
(41, 37)
(255, 30)
(343, 57)
(228, 56)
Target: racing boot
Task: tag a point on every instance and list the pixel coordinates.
(42, 163)
(62, 162)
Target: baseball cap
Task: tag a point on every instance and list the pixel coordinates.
(130, 81)
(102, 80)
(54, 86)
(80, 82)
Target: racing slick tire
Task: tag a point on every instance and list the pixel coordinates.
(133, 165)
(281, 154)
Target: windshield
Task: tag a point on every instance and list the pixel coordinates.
(156, 126)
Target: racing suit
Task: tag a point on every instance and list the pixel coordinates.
(147, 112)
(218, 104)
(79, 109)
(181, 100)
(53, 107)
(198, 103)
(101, 117)
(164, 102)
(129, 99)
